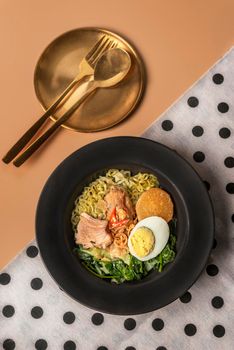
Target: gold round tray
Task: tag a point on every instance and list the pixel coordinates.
(58, 65)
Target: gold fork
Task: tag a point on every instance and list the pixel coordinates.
(86, 68)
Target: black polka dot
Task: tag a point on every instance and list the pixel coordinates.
(157, 324)
(218, 78)
(129, 324)
(130, 348)
(230, 188)
(214, 243)
(102, 347)
(69, 317)
(229, 162)
(8, 344)
(193, 101)
(232, 217)
(186, 298)
(212, 270)
(217, 302)
(5, 278)
(206, 183)
(97, 319)
(8, 311)
(199, 157)
(32, 251)
(36, 283)
(224, 133)
(197, 131)
(219, 331)
(190, 329)
(167, 125)
(161, 348)
(41, 344)
(69, 345)
(223, 107)
(36, 312)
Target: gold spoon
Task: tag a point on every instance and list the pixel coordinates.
(111, 68)
(86, 68)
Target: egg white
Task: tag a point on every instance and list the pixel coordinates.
(161, 233)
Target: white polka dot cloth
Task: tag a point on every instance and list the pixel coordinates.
(36, 314)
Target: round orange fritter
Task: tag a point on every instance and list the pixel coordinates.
(154, 202)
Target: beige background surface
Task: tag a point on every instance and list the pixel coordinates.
(179, 40)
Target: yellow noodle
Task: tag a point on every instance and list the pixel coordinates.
(87, 202)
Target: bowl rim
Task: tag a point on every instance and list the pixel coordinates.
(124, 139)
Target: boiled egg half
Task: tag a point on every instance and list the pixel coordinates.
(148, 238)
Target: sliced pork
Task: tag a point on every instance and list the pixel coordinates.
(92, 232)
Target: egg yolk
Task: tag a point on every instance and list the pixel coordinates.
(143, 241)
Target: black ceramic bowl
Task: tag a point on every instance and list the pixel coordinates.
(194, 229)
